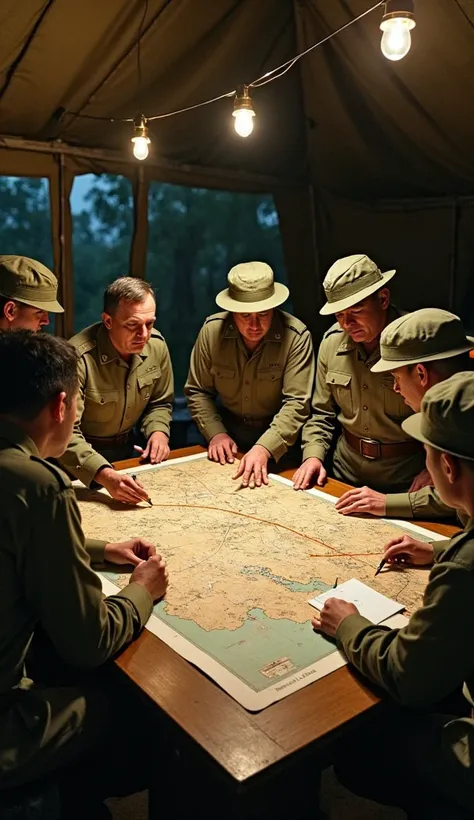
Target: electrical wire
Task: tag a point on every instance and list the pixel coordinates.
(266, 78)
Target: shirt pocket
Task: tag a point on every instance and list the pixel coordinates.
(269, 389)
(393, 403)
(340, 385)
(146, 384)
(100, 405)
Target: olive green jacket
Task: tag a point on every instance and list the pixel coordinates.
(47, 580)
(114, 395)
(424, 503)
(268, 388)
(433, 655)
(365, 404)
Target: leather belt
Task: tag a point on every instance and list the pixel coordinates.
(372, 449)
(106, 442)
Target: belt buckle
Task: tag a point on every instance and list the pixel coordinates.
(371, 442)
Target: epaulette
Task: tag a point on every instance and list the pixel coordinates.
(84, 347)
(335, 328)
(157, 335)
(61, 477)
(217, 317)
(292, 323)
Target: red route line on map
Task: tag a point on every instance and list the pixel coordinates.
(273, 524)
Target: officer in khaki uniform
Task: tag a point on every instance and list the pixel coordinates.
(420, 349)
(251, 373)
(48, 585)
(28, 292)
(372, 447)
(427, 764)
(125, 379)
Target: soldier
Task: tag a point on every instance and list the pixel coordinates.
(372, 447)
(28, 292)
(427, 765)
(48, 586)
(258, 363)
(125, 378)
(420, 349)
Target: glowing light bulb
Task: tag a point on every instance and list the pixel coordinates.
(243, 122)
(243, 112)
(140, 139)
(396, 37)
(140, 147)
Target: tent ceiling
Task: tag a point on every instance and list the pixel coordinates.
(367, 127)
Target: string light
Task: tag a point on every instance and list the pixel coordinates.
(243, 112)
(397, 24)
(140, 138)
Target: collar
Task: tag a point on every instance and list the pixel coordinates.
(107, 352)
(15, 435)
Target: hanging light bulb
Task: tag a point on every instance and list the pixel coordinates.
(140, 138)
(243, 112)
(397, 23)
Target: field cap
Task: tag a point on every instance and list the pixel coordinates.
(425, 335)
(252, 289)
(30, 282)
(350, 280)
(446, 421)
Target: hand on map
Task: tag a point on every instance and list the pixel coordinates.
(134, 551)
(153, 575)
(312, 468)
(156, 450)
(362, 500)
(222, 448)
(406, 550)
(121, 487)
(333, 613)
(423, 479)
(253, 467)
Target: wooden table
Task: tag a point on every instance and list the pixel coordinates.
(241, 744)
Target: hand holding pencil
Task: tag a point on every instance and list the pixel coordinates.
(406, 550)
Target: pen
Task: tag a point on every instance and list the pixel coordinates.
(335, 583)
(380, 566)
(148, 500)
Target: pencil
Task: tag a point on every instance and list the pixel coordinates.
(380, 567)
(148, 500)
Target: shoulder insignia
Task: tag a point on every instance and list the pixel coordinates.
(84, 347)
(157, 335)
(217, 317)
(292, 323)
(61, 477)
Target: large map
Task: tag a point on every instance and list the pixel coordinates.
(243, 564)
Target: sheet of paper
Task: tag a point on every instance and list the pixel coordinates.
(371, 604)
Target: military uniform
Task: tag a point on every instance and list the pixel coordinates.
(47, 582)
(366, 406)
(264, 394)
(115, 395)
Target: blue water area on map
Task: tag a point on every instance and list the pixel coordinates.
(261, 640)
(315, 585)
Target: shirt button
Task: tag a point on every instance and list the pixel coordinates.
(365, 386)
(366, 429)
(365, 407)
(102, 400)
(128, 387)
(246, 398)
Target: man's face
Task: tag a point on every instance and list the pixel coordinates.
(64, 427)
(407, 382)
(131, 325)
(253, 326)
(365, 321)
(25, 317)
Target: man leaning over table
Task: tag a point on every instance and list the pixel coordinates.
(372, 447)
(125, 381)
(417, 757)
(251, 374)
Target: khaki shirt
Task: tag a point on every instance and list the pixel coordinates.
(424, 503)
(429, 658)
(114, 395)
(267, 389)
(47, 580)
(366, 405)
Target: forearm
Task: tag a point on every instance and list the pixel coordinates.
(424, 503)
(285, 427)
(81, 460)
(204, 413)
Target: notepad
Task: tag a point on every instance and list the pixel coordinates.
(371, 604)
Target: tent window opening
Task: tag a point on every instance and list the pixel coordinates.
(102, 219)
(25, 221)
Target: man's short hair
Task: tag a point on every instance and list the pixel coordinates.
(445, 368)
(128, 289)
(35, 368)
